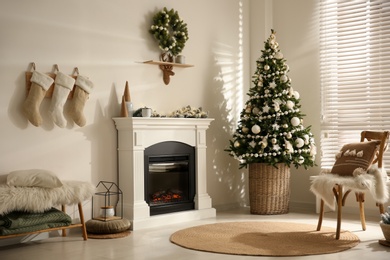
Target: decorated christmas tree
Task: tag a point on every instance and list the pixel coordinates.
(271, 128)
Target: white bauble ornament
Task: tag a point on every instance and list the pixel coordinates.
(283, 78)
(313, 150)
(296, 94)
(266, 67)
(290, 104)
(256, 129)
(299, 142)
(274, 140)
(289, 135)
(306, 139)
(301, 160)
(255, 110)
(237, 144)
(278, 55)
(295, 121)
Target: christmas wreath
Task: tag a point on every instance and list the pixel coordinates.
(170, 31)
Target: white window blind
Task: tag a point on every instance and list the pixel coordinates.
(355, 72)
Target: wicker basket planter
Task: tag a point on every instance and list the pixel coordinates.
(269, 189)
(386, 230)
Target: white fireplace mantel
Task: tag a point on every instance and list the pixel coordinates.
(137, 133)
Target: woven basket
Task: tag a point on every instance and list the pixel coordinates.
(269, 189)
(386, 230)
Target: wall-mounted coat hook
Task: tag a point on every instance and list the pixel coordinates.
(76, 71)
(55, 68)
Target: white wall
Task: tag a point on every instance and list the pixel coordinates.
(107, 40)
(297, 31)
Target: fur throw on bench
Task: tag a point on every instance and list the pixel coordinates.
(373, 181)
(39, 199)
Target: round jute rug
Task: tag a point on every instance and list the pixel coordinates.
(264, 239)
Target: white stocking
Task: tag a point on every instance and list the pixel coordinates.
(63, 85)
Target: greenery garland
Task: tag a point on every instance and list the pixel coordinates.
(170, 31)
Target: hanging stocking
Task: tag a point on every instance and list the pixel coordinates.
(40, 83)
(80, 95)
(63, 85)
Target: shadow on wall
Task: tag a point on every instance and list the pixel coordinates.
(15, 111)
(227, 178)
(103, 138)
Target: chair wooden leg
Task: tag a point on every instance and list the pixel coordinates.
(321, 215)
(339, 210)
(64, 230)
(81, 214)
(381, 208)
(360, 197)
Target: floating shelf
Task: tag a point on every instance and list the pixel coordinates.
(168, 63)
(167, 68)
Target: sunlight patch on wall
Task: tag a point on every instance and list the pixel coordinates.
(229, 60)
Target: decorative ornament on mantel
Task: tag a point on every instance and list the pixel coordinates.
(270, 136)
(127, 105)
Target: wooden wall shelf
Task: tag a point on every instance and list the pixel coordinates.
(167, 68)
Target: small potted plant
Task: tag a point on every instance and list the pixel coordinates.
(385, 225)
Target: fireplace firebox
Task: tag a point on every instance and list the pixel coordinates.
(169, 177)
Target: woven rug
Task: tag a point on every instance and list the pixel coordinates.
(264, 239)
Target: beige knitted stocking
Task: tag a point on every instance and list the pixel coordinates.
(40, 83)
(80, 96)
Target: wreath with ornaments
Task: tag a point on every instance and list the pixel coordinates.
(170, 31)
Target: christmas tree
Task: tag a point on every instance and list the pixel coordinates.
(270, 129)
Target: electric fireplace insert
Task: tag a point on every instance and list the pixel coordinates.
(169, 177)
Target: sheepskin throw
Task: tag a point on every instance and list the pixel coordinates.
(38, 199)
(373, 180)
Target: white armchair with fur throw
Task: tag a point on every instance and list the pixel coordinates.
(358, 168)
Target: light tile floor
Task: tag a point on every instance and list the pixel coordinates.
(150, 244)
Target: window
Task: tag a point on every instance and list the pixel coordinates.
(355, 72)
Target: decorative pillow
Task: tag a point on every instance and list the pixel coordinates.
(33, 178)
(355, 155)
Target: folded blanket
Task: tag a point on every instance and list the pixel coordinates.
(20, 222)
(18, 219)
